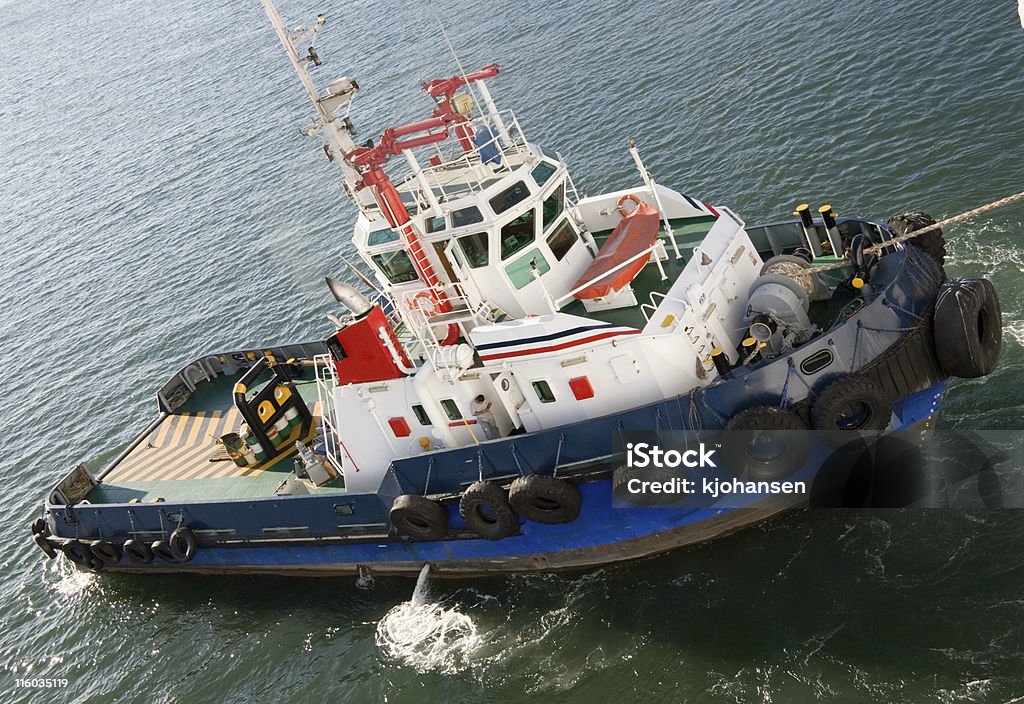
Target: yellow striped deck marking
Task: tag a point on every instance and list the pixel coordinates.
(195, 424)
(195, 466)
(190, 434)
(199, 458)
(181, 446)
(147, 459)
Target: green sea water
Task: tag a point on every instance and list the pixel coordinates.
(157, 201)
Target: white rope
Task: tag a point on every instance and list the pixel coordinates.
(875, 249)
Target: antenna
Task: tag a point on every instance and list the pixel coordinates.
(451, 48)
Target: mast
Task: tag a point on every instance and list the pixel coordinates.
(336, 132)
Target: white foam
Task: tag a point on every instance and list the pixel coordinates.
(427, 636)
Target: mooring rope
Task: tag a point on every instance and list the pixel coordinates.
(875, 249)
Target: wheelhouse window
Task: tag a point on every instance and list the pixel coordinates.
(382, 237)
(474, 248)
(396, 266)
(542, 172)
(434, 224)
(562, 239)
(543, 391)
(511, 196)
(466, 216)
(554, 204)
(450, 409)
(518, 234)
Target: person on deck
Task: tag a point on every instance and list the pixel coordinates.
(481, 408)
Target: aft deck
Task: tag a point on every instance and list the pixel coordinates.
(180, 460)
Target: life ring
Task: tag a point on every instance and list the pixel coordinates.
(544, 499)
(45, 545)
(162, 550)
(106, 551)
(622, 201)
(968, 328)
(766, 443)
(849, 407)
(485, 510)
(182, 544)
(426, 296)
(418, 517)
(138, 552)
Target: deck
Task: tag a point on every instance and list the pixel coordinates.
(181, 460)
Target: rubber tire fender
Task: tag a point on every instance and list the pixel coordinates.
(932, 243)
(419, 517)
(499, 521)
(106, 552)
(138, 551)
(182, 544)
(751, 425)
(45, 545)
(78, 552)
(39, 526)
(543, 499)
(162, 549)
(833, 405)
(968, 328)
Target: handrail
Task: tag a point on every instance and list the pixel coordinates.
(134, 443)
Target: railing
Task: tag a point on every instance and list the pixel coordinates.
(453, 169)
(421, 323)
(326, 382)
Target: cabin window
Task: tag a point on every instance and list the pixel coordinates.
(517, 234)
(451, 409)
(554, 204)
(562, 239)
(434, 224)
(520, 272)
(421, 414)
(396, 266)
(466, 216)
(542, 172)
(543, 391)
(382, 237)
(474, 247)
(516, 193)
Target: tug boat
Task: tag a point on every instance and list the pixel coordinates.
(470, 406)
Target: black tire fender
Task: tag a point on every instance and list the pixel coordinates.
(78, 552)
(544, 499)
(182, 544)
(162, 549)
(968, 328)
(106, 552)
(39, 526)
(138, 551)
(766, 443)
(419, 517)
(848, 408)
(933, 243)
(45, 545)
(485, 510)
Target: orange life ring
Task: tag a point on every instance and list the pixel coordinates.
(431, 308)
(622, 201)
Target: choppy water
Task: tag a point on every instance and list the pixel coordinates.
(157, 201)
